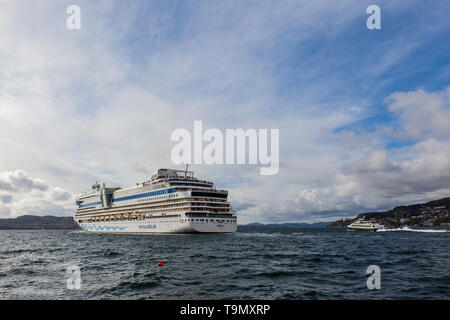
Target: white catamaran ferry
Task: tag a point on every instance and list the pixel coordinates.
(361, 224)
(172, 201)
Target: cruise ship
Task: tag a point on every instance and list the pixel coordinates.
(361, 224)
(172, 201)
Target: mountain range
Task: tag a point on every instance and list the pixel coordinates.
(38, 222)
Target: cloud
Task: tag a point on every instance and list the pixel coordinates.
(376, 162)
(99, 104)
(59, 194)
(425, 170)
(20, 181)
(381, 178)
(24, 194)
(40, 207)
(422, 113)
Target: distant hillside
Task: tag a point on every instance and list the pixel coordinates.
(37, 222)
(433, 213)
(286, 225)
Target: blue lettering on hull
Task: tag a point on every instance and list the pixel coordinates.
(148, 226)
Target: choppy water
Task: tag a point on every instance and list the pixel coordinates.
(250, 264)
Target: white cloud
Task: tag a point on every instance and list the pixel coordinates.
(22, 194)
(422, 113)
(20, 181)
(39, 207)
(381, 178)
(100, 104)
(59, 194)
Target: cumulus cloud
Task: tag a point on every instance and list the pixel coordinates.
(422, 113)
(59, 194)
(99, 104)
(382, 177)
(40, 207)
(428, 170)
(19, 181)
(24, 194)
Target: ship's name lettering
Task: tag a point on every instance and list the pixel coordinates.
(150, 226)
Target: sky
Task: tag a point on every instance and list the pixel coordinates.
(363, 115)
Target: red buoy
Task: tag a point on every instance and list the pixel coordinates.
(160, 263)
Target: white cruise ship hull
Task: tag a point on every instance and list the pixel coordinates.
(162, 227)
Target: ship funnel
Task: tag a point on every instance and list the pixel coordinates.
(106, 197)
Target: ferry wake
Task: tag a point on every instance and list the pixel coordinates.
(172, 201)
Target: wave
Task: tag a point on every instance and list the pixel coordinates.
(19, 251)
(269, 234)
(258, 234)
(413, 230)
